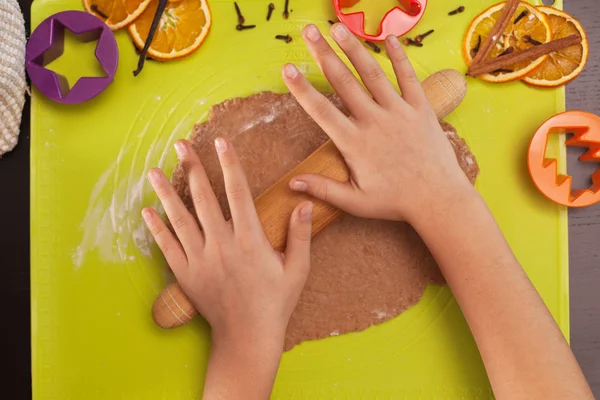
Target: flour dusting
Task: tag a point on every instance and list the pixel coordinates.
(379, 314)
(112, 226)
(264, 119)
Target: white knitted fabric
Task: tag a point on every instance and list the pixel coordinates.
(12, 73)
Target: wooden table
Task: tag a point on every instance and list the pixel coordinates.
(584, 224)
(584, 234)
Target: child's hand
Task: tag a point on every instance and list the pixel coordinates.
(399, 157)
(244, 288)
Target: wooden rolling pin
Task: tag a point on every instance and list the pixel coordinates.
(444, 89)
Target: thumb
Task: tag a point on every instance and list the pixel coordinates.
(297, 252)
(338, 194)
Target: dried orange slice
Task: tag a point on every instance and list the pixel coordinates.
(116, 14)
(182, 28)
(564, 65)
(532, 26)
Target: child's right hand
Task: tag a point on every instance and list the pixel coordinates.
(399, 158)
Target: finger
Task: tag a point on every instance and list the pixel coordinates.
(339, 194)
(411, 88)
(165, 240)
(297, 252)
(345, 84)
(326, 115)
(183, 222)
(368, 68)
(243, 212)
(205, 202)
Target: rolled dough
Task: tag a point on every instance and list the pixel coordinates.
(363, 272)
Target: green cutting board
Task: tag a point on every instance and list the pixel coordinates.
(95, 271)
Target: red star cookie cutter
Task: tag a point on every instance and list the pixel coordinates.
(585, 128)
(396, 22)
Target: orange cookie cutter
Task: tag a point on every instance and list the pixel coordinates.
(396, 22)
(585, 128)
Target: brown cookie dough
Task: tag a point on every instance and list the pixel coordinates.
(363, 272)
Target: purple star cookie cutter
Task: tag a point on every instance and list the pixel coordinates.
(47, 43)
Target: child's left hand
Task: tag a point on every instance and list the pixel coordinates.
(246, 290)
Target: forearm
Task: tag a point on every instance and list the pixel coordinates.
(523, 350)
(242, 369)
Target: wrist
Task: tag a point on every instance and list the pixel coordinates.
(248, 342)
(242, 367)
(449, 199)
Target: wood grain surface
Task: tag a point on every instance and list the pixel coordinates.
(584, 224)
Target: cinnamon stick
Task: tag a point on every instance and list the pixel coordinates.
(499, 27)
(524, 55)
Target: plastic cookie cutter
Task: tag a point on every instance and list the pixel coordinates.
(585, 128)
(47, 44)
(396, 21)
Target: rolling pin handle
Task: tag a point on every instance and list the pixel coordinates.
(172, 308)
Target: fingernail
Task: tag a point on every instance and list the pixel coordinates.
(340, 32)
(147, 215)
(299, 185)
(181, 149)
(154, 176)
(393, 41)
(221, 145)
(306, 213)
(291, 71)
(312, 33)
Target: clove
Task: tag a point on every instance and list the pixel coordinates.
(531, 40)
(507, 51)
(285, 38)
(419, 38)
(270, 11)
(373, 46)
(457, 11)
(241, 18)
(521, 16)
(241, 27)
(330, 22)
(286, 12)
(410, 42)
